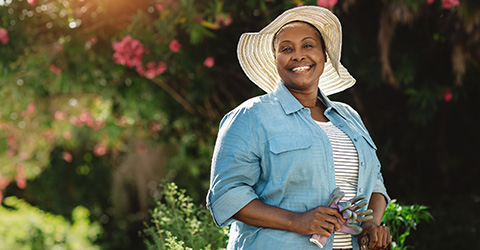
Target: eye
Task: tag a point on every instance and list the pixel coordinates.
(285, 49)
(308, 45)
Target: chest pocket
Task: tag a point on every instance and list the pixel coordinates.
(290, 159)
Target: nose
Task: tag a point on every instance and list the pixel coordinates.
(298, 56)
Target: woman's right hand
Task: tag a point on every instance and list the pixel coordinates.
(320, 220)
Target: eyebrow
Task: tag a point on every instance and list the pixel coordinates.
(305, 38)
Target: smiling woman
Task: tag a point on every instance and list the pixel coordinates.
(279, 156)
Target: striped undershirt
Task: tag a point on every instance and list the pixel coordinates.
(345, 159)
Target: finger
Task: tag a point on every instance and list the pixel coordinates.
(331, 212)
(373, 240)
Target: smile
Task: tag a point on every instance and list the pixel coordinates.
(301, 69)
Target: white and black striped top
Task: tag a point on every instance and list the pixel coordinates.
(345, 158)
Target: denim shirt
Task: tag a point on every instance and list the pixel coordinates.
(269, 148)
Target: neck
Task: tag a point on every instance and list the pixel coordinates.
(308, 98)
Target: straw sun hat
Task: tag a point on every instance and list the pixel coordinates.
(255, 50)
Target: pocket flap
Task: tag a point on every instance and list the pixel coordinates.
(283, 144)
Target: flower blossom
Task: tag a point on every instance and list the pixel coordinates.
(21, 180)
(326, 3)
(224, 19)
(56, 70)
(430, 1)
(160, 7)
(59, 115)
(32, 2)
(447, 4)
(152, 69)
(99, 150)
(175, 46)
(447, 94)
(3, 35)
(128, 52)
(209, 62)
(67, 157)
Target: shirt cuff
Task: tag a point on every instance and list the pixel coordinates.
(380, 188)
(230, 203)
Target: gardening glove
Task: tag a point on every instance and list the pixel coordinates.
(349, 211)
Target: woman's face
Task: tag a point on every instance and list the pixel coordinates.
(299, 56)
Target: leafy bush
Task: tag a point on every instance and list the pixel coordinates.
(180, 224)
(402, 219)
(27, 227)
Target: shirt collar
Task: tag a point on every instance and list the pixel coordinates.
(291, 105)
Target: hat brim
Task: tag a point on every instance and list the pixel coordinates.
(255, 51)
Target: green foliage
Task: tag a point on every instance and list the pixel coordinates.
(401, 220)
(29, 228)
(178, 223)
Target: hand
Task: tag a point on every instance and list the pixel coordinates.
(320, 220)
(378, 235)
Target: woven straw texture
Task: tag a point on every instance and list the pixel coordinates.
(255, 51)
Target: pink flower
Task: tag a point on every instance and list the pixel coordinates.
(152, 69)
(93, 40)
(430, 1)
(224, 19)
(3, 35)
(447, 4)
(159, 7)
(31, 108)
(326, 3)
(67, 156)
(128, 52)
(447, 94)
(21, 180)
(156, 126)
(175, 46)
(32, 2)
(56, 70)
(209, 62)
(59, 115)
(99, 150)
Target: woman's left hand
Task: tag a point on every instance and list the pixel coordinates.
(379, 235)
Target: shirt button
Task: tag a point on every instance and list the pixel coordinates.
(355, 139)
(361, 163)
(360, 190)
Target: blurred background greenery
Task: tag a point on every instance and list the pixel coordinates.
(102, 100)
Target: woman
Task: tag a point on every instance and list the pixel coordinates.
(279, 156)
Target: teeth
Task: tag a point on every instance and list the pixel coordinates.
(301, 68)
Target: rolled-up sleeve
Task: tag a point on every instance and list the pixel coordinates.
(380, 188)
(235, 167)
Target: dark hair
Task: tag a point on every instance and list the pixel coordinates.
(322, 42)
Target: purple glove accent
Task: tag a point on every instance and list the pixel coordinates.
(349, 212)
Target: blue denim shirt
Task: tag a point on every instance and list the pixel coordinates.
(270, 148)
